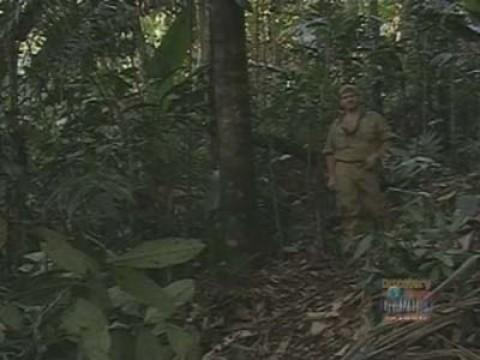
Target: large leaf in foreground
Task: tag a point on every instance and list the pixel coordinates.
(65, 255)
(145, 290)
(181, 291)
(88, 325)
(159, 254)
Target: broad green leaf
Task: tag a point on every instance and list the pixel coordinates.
(148, 347)
(181, 291)
(88, 325)
(170, 55)
(160, 253)
(183, 343)
(364, 245)
(11, 317)
(159, 329)
(154, 317)
(124, 301)
(145, 290)
(64, 255)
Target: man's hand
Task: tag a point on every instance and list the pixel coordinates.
(371, 161)
(331, 183)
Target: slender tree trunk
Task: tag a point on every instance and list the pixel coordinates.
(376, 89)
(15, 191)
(229, 63)
(452, 113)
(205, 55)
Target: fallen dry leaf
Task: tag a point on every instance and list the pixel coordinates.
(342, 351)
(317, 328)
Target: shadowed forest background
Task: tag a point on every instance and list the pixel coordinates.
(162, 192)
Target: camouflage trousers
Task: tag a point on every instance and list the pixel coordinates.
(360, 200)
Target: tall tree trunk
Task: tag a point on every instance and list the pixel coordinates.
(232, 109)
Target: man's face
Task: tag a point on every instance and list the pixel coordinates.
(349, 101)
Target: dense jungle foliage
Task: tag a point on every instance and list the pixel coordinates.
(119, 117)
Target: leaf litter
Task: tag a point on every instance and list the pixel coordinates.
(289, 311)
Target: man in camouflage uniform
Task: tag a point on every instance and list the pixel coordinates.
(355, 145)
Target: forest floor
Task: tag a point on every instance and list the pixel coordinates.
(300, 307)
(295, 308)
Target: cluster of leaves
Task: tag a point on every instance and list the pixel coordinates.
(417, 250)
(90, 300)
(111, 145)
(426, 240)
(411, 161)
(107, 132)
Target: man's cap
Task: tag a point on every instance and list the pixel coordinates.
(349, 88)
